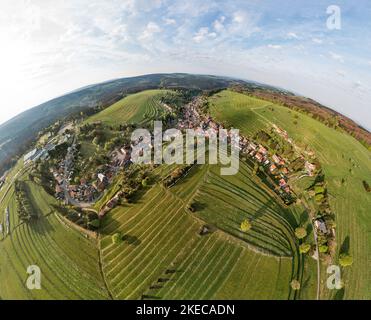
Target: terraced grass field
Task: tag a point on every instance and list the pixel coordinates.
(68, 261)
(341, 156)
(136, 108)
(227, 201)
(163, 253)
(164, 257)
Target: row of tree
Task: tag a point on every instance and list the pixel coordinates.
(24, 206)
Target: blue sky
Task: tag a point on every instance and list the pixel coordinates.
(52, 47)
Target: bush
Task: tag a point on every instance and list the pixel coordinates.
(304, 248)
(192, 207)
(319, 197)
(245, 226)
(345, 260)
(145, 182)
(300, 233)
(95, 223)
(319, 189)
(295, 285)
(366, 186)
(117, 238)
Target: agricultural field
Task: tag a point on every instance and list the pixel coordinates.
(341, 156)
(68, 260)
(136, 108)
(162, 255)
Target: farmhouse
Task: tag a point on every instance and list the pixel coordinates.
(36, 154)
(262, 150)
(30, 156)
(252, 146)
(101, 177)
(259, 157)
(310, 168)
(276, 159)
(58, 189)
(282, 183)
(284, 170)
(321, 226)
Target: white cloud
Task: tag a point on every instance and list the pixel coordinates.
(202, 34)
(151, 29)
(169, 21)
(274, 46)
(239, 17)
(336, 57)
(292, 35)
(317, 40)
(341, 73)
(357, 84)
(218, 24)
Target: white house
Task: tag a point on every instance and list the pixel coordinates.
(29, 156)
(321, 226)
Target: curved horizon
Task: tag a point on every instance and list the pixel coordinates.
(316, 49)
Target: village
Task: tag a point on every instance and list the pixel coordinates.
(274, 169)
(274, 166)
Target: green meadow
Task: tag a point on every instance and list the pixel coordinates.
(163, 255)
(69, 262)
(341, 156)
(136, 108)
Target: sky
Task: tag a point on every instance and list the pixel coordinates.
(48, 48)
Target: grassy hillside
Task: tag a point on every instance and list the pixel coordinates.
(164, 257)
(226, 201)
(68, 261)
(135, 108)
(341, 156)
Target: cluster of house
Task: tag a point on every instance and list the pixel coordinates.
(58, 176)
(275, 165)
(122, 157)
(309, 167)
(43, 153)
(37, 154)
(83, 192)
(191, 118)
